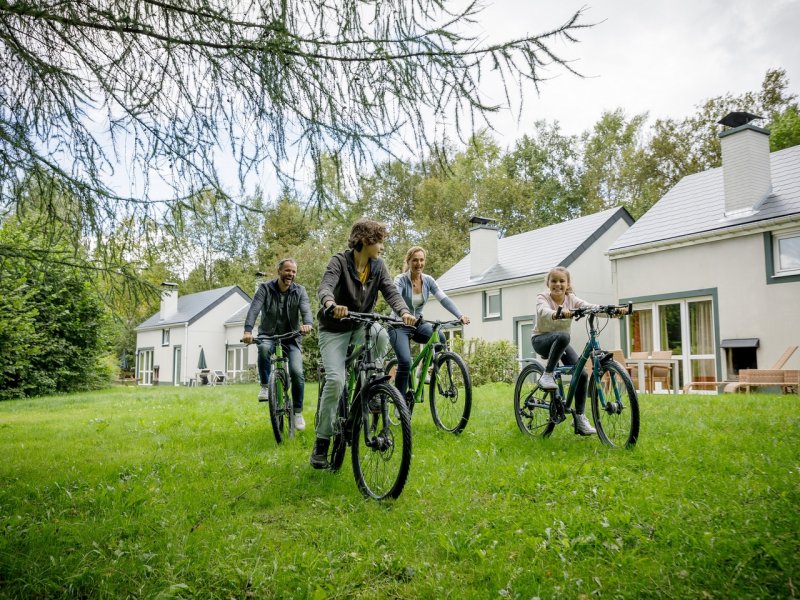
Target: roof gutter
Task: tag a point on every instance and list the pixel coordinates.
(495, 284)
(706, 236)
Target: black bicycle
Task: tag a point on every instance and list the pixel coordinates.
(372, 418)
(446, 373)
(281, 410)
(615, 405)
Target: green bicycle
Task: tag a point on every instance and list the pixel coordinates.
(281, 411)
(372, 419)
(615, 405)
(450, 386)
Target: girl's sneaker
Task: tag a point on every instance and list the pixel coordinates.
(582, 426)
(546, 382)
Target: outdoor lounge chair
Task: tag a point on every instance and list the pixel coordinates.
(775, 376)
(216, 377)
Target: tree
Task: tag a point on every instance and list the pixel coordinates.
(157, 92)
(691, 145)
(53, 325)
(785, 129)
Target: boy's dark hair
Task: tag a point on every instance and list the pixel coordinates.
(366, 232)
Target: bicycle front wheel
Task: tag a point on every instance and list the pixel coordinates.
(615, 406)
(450, 392)
(276, 400)
(532, 403)
(381, 451)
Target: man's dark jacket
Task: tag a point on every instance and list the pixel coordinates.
(266, 302)
(341, 284)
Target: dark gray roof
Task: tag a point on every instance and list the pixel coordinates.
(696, 205)
(194, 306)
(536, 252)
(239, 316)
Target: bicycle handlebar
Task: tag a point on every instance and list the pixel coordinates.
(284, 336)
(612, 310)
(371, 318)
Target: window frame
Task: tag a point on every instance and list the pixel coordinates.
(487, 294)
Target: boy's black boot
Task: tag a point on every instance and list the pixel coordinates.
(319, 455)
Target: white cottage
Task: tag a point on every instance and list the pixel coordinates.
(713, 268)
(497, 282)
(169, 344)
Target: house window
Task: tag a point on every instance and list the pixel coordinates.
(237, 364)
(685, 326)
(492, 305)
(786, 253)
(144, 366)
(165, 337)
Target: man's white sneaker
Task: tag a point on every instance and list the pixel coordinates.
(299, 422)
(582, 426)
(546, 382)
(263, 395)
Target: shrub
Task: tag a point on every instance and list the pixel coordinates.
(489, 362)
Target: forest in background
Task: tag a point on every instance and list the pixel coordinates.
(66, 319)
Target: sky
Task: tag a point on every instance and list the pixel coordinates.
(663, 57)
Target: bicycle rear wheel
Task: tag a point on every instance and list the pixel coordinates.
(615, 406)
(276, 400)
(532, 403)
(382, 454)
(450, 392)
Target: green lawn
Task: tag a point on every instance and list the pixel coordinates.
(178, 493)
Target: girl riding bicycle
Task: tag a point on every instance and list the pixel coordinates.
(415, 287)
(551, 338)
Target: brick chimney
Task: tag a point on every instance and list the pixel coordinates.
(169, 300)
(745, 164)
(482, 246)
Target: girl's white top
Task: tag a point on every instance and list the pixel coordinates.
(546, 308)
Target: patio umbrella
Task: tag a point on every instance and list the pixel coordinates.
(123, 361)
(201, 363)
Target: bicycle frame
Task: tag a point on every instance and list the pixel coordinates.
(362, 373)
(425, 359)
(591, 351)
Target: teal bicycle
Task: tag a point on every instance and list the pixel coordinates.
(615, 405)
(447, 376)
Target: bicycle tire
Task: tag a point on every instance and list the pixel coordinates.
(450, 392)
(381, 470)
(276, 406)
(532, 403)
(617, 422)
(288, 407)
(338, 444)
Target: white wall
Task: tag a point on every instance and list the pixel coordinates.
(748, 307)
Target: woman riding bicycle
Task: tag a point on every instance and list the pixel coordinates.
(351, 281)
(416, 287)
(551, 338)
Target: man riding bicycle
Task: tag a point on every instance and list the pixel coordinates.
(282, 303)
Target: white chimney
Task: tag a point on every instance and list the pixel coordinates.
(169, 300)
(482, 246)
(745, 165)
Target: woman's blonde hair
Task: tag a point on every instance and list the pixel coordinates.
(411, 252)
(562, 271)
